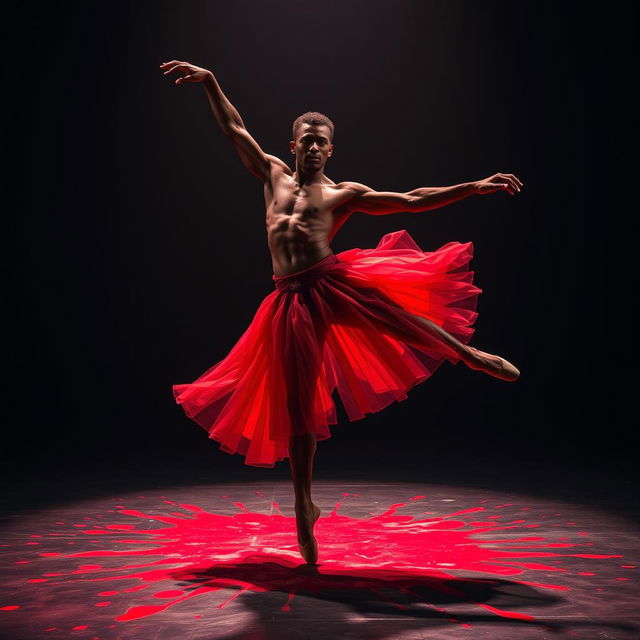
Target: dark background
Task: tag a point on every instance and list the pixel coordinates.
(137, 247)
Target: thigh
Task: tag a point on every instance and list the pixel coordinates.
(303, 360)
(390, 318)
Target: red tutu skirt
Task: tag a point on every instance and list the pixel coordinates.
(352, 323)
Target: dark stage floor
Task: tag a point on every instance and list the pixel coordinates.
(166, 553)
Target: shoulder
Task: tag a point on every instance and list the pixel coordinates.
(353, 193)
(274, 161)
(350, 192)
(354, 188)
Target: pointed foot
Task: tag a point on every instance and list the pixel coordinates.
(306, 516)
(493, 365)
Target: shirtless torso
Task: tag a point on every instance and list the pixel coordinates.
(302, 221)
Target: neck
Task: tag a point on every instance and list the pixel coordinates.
(302, 178)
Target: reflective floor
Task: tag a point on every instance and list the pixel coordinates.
(396, 560)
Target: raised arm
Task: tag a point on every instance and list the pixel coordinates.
(227, 116)
(367, 200)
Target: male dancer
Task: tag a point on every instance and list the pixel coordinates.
(304, 210)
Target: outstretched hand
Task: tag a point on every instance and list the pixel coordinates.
(506, 181)
(190, 71)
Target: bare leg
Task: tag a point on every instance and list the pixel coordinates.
(303, 440)
(474, 358)
(302, 448)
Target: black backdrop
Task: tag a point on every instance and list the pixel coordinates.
(137, 247)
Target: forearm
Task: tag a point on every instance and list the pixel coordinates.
(225, 113)
(425, 198)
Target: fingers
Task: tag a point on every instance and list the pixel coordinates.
(509, 188)
(509, 182)
(504, 186)
(174, 67)
(495, 186)
(501, 185)
(171, 64)
(505, 181)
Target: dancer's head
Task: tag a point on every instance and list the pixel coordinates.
(312, 142)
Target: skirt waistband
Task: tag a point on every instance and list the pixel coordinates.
(295, 281)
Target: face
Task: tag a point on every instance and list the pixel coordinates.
(312, 146)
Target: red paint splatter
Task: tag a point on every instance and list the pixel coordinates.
(204, 552)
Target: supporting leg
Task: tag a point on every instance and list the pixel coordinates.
(303, 368)
(302, 448)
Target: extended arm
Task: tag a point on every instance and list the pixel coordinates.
(251, 154)
(367, 200)
(227, 116)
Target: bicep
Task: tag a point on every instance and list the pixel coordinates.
(380, 202)
(251, 154)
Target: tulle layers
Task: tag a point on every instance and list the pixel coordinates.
(363, 322)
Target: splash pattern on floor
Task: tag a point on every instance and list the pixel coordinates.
(176, 552)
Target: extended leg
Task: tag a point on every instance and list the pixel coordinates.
(474, 358)
(392, 323)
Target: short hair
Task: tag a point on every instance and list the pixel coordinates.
(314, 118)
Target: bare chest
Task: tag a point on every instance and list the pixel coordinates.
(288, 204)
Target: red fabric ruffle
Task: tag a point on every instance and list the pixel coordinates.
(350, 323)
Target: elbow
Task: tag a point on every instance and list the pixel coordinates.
(230, 129)
(233, 128)
(414, 203)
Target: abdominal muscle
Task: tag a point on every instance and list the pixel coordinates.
(297, 241)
